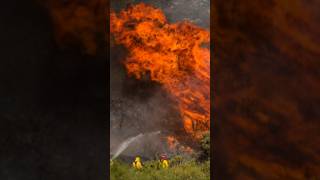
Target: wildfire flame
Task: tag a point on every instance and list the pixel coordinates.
(171, 54)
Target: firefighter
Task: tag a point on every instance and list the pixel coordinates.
(137, 163)
(164, 162)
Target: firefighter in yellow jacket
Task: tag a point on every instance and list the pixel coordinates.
(164, 162)
(137, 163)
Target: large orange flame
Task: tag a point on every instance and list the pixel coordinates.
(171, 54)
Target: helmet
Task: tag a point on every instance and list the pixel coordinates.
(137, 158)
(163, 157)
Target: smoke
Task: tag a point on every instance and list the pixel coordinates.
(139, 107)
(196, 11)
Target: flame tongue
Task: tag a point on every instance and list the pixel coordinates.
(170, 54)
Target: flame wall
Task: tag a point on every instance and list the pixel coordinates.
(155, 105)
(170, 54)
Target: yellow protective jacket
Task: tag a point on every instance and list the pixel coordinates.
(137, 164)
(164, 164)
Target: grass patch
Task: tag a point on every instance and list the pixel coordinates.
(178, 170)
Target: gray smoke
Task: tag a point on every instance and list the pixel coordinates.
(196, 11)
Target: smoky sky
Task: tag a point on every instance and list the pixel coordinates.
(196, 11)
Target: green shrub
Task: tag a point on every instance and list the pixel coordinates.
(205, 147)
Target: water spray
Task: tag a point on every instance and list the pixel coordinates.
(124, 145)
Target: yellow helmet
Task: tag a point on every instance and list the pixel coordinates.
(137, 158)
